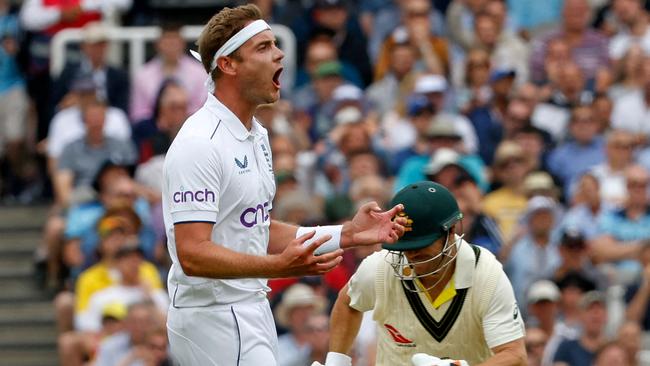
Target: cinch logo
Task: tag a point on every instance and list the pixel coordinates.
(205, 195)
(240, 164)
(249, 217)
(398, 337)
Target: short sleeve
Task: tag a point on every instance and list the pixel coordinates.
(361, 287)
(503, 321)
(193, 175)
(66, 160)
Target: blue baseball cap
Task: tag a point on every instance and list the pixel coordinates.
(417, 104)
(500, 74)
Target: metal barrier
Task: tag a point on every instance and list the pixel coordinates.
(138, 37)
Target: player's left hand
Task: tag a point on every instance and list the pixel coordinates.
(370, 226)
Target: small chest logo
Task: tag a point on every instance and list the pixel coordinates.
(242, 165)
(399, 339)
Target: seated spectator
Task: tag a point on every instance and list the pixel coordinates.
(629, 110)
(111, 83)
(433, 56)
(540, 183)
(593, 317)
(536, 144)
(629, 73)
(535, 342)
(141, 339)
(319, 336)
(634, 30)
(298, 304)
(619, 148)
(588, 47)
(81, 159)
(637, 295)
(170, 62)
(542, 301)
(611, 353)
(575, 259)
(479, 228)
(474, 91)
(67, 125)
(153, 136)
(576, 156)
(586, 207)
(624, 231)
(535, 255)
(507, 203)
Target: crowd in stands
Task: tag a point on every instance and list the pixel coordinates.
(535, 114)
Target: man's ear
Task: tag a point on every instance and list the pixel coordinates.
(227, 65)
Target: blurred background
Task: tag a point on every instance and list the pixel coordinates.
(536, 115)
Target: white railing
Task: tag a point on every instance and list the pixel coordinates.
(138, 37)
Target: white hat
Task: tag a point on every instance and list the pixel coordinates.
(95, 32)
(347, 92)
(441, 158)
(543, 290)
(298, 294)
(346, 115)
(540, 203)
(430, 84)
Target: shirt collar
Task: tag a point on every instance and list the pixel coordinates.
(465, 264)
(230, 120)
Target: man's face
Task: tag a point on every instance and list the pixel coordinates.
(486, 30)
(170, 46)
(258, 69)
(576, 15)
(402, 59)
(173, 109)
(425, 254)
(583, 126)
(95, 52)
(627, 11)
(619, 149)
(317, 53)
(594, 318)
(541, 222)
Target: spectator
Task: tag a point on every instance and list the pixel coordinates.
(619, 146)
(507, 203)
(635, 29)
(593, 317)
(536, 144)
(125, 347)
(625, 230)
(542, 298)
(170, 62)
(535, 255)
(630, 110)
(638, 293)
(575, 259)
(433, 56)
(629, 338)
(535, 343)
(154, 351)
(586, 207)
(588, 47)
(474, 91)
(576, 156)
(298, 304)
(13, 101)
(629, 73)
(81, 159)
(318, 329)
(540, 183)
(111, 83)
(611, 354)
(460, 20)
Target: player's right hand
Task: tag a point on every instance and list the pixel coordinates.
(298, 259)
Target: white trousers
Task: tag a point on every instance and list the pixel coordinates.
(223, 335)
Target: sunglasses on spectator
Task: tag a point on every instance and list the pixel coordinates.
(637, 183)
(417, 13)
(622, 145)
(508, 162)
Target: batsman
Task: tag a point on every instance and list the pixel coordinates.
(437, 299)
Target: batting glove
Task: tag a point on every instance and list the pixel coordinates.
(423, 359)
(335, 359)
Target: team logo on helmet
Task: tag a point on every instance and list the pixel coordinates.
(409, 222)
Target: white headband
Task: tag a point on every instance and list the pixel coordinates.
(231, 46)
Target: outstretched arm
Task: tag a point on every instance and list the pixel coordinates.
(344, 324)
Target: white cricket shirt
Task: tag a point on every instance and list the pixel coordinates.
(219, 172)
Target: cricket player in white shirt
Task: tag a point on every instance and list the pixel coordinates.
(437, 300)
(217, 194)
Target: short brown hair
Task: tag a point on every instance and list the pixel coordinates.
(220, 29)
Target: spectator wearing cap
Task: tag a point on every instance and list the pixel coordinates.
(170, 61)
(593, 317)
(298, 304)
(624, 231)
(507, 203)
(589, 49)
(332, 19)
(479, 228)
(534, 255)
(68, 124)
(386, 93)
(415, 28)
(327, 78)
(585, 149)
(111, 83)
(540, 183)
(81, 159)
(575, 258)
(542, 301)
(619, 155)
(435, 87)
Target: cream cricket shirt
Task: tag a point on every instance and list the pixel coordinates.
(217, 171)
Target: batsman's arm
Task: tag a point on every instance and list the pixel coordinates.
(512, 354)
(344, 324)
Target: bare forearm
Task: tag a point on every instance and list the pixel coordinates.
(280, 235)
(344, 324)
(605, 250)
(504, 359)
(639, 304)
(216, 261)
